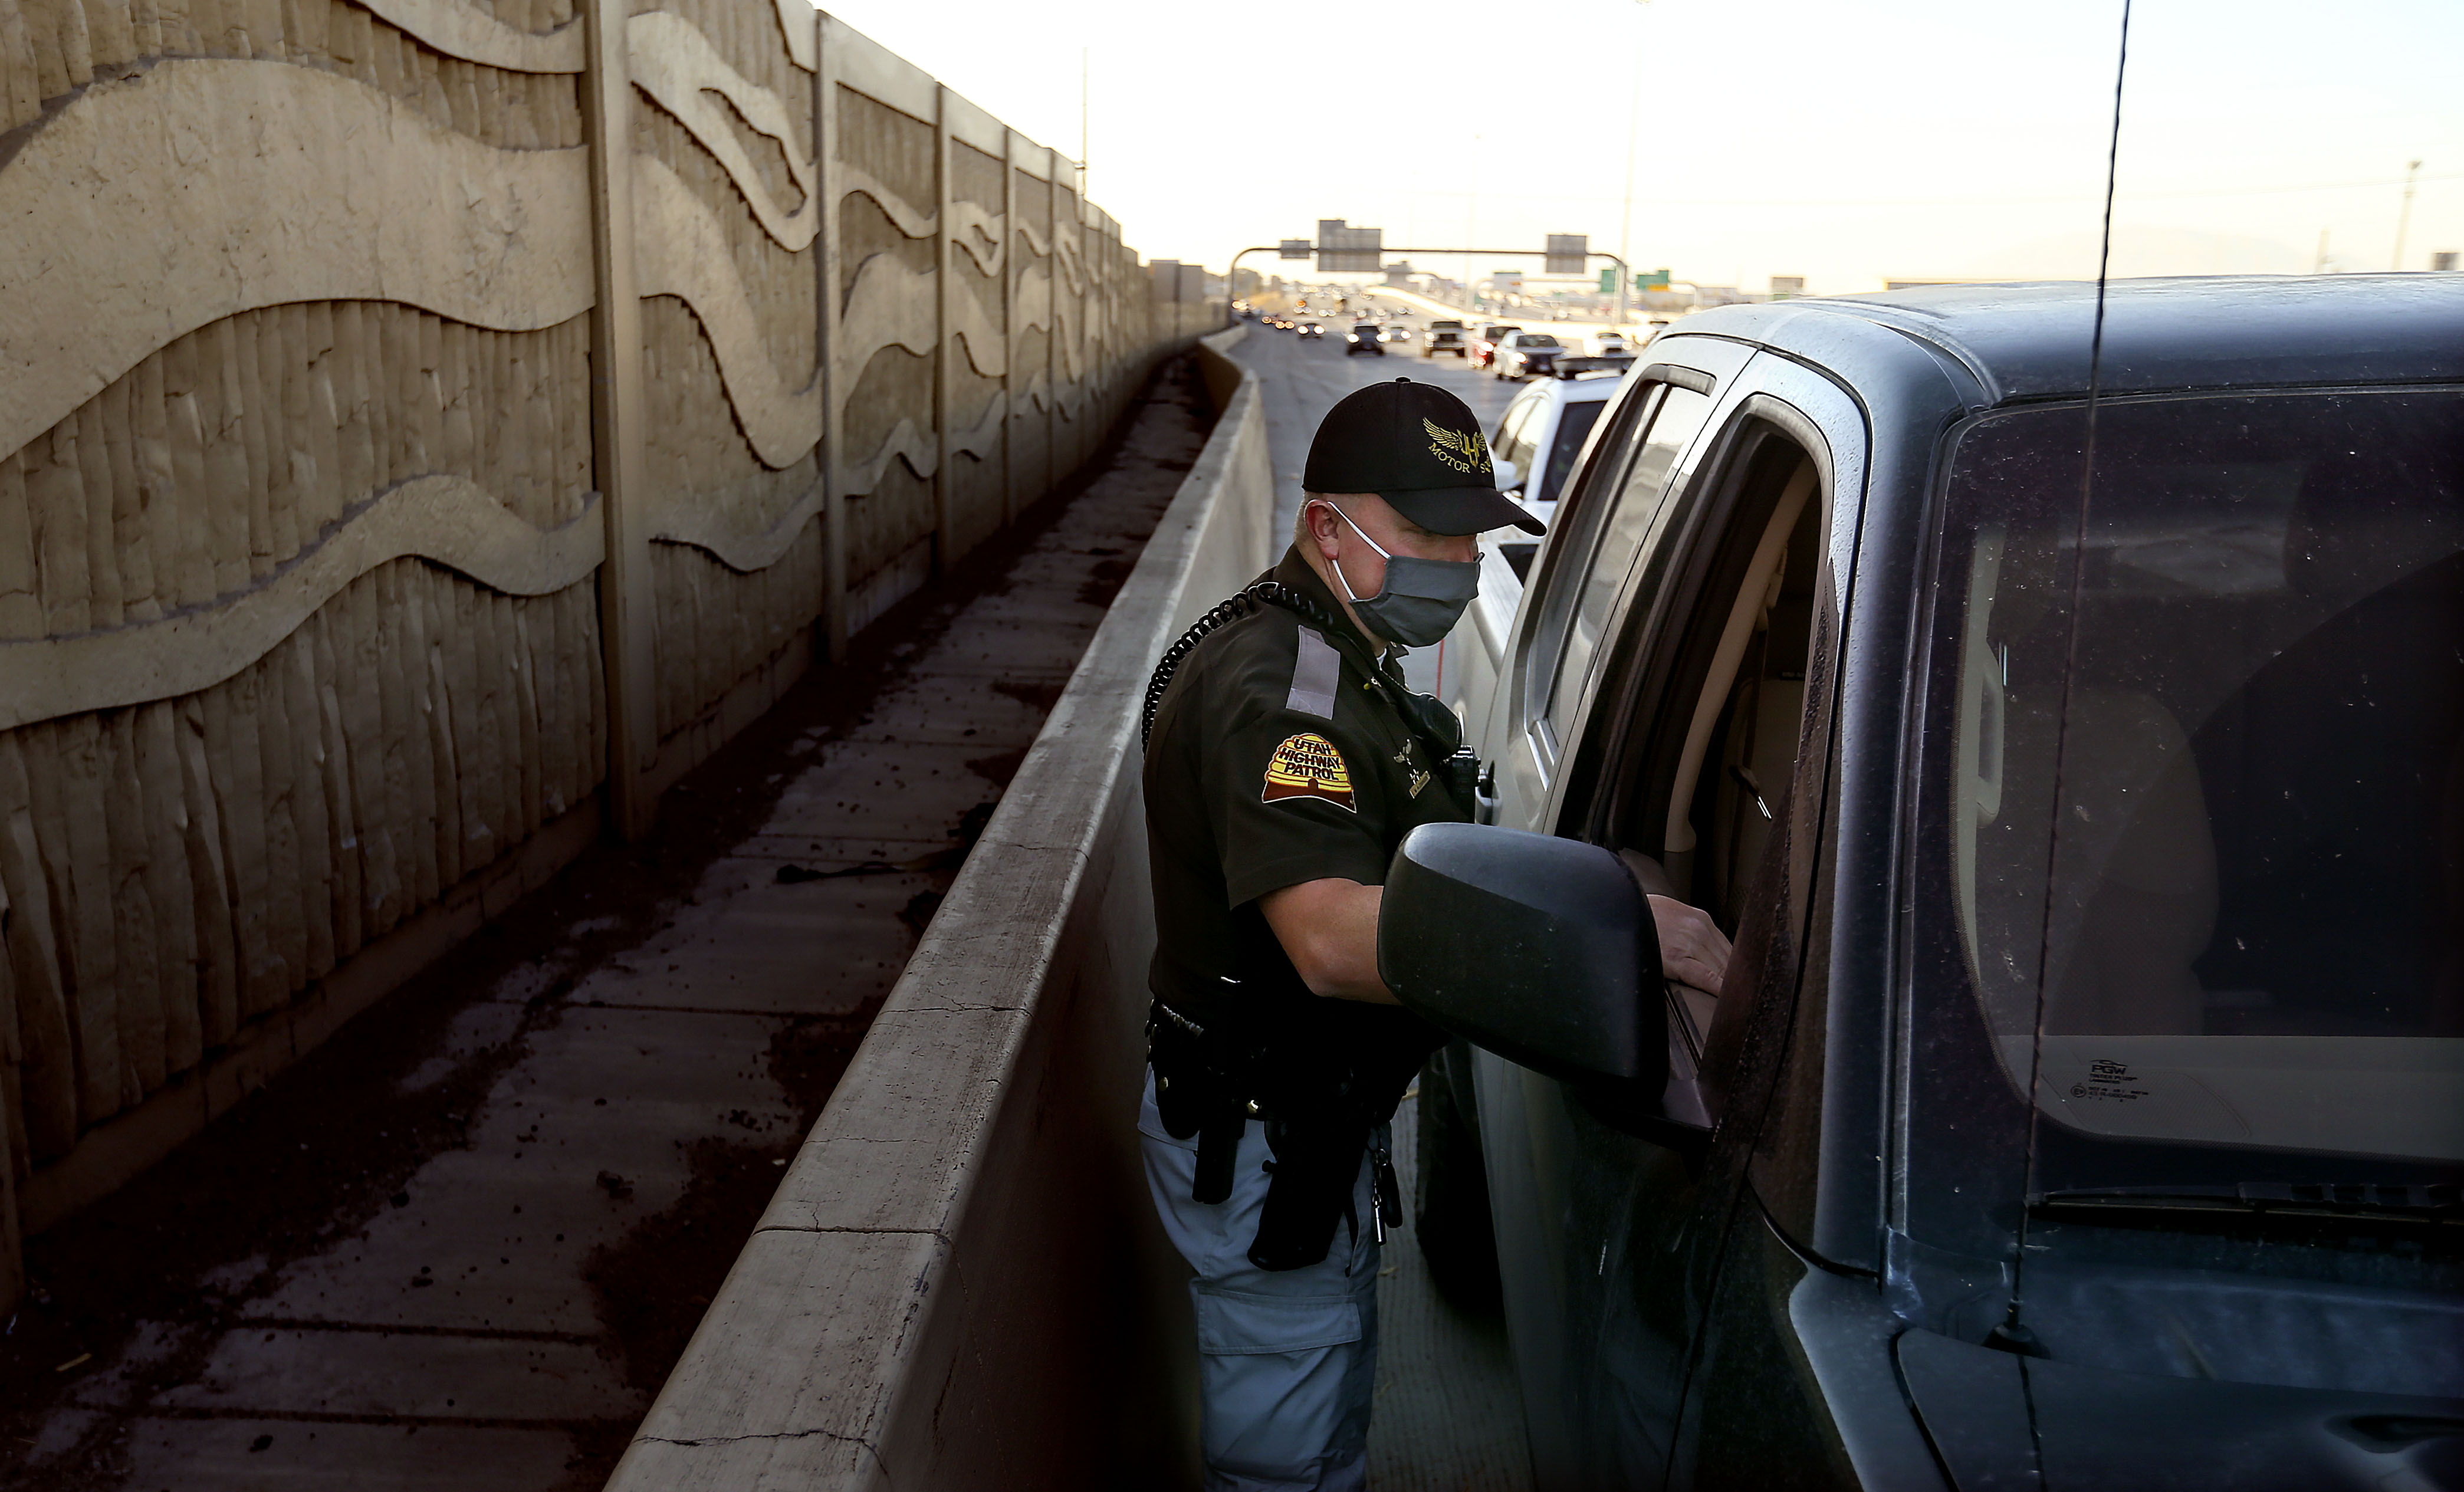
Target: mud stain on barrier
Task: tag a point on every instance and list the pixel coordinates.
(1036, 693)
(1000, 768)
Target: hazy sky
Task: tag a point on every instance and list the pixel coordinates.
(1846, 142)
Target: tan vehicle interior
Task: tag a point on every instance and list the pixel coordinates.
(1707, 779)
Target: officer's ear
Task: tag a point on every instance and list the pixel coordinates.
(1319, 524)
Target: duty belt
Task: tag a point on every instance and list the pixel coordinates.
(1211, 1085)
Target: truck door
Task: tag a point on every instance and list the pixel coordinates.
(1685, 756)
(1558, 633)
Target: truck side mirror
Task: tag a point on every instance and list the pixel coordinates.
(1541, 949)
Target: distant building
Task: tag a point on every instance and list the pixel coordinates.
(1400, 272)
(1787, 286)
(1174, 280)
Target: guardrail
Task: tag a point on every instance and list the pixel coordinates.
(959, 1283)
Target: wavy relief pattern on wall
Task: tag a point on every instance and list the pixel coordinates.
(682, 72)
(880, 418)
(172, 529)
(184, 865)
(717, 623)
(683, 251)
(448, 520)
(976, 403)
(710, 489)
(889, 520)
(890, 155)
(889, 311)
(976, 314)
(456, 66)
(1030, 319)
(778, 283)
(749, 38)
(119, 235)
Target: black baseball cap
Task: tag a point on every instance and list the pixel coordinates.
(1419, 447)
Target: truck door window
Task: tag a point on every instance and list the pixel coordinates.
(1740, 748)
(1697, 737)
(1640, 515)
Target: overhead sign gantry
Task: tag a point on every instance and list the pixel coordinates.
(1341, 248)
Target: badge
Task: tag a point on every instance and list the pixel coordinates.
(1308, 765)
(1460, 450)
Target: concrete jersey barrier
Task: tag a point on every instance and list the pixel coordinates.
(959, 1283)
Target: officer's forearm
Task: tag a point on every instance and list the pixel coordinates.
(1328, 930)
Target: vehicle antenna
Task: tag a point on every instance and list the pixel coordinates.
(2012, 1335)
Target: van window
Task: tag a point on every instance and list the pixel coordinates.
(1639, 512)
(2197, 762)
(1574, 421)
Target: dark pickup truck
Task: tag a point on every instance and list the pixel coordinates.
(2083, 1106)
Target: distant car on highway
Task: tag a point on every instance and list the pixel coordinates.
(1445, 337)
(1523, 355)
(1484, 347)
(1362, 338)
(1396, 333)
(2080, 1107)
(1312, 329)
(1604, 344)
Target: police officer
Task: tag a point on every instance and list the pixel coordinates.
(1285, 759)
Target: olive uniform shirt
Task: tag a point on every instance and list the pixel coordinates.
(1275, 761)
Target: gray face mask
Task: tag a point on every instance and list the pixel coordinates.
(1423, 599)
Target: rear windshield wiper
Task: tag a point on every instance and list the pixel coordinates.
(2435, 1202)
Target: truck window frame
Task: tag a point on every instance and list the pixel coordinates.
(1558, 571)
(1560, 708)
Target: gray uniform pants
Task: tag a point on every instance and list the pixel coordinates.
(1286, 1360)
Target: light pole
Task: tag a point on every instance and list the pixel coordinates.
(1471, 212)
(2404, 214)
(1633, 129)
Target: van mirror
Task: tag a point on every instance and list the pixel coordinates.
(1541, 949)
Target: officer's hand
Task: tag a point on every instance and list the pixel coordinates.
(1693, 950)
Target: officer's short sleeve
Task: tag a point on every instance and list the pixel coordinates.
(1295, 799)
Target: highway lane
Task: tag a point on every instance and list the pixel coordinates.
(1304, 379)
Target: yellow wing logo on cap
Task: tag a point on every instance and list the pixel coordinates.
(1458, 448)
(1306, 766)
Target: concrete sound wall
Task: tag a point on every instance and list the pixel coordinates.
(959, 1283)
(427, 428)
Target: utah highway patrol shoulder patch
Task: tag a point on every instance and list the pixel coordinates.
(1306, 766)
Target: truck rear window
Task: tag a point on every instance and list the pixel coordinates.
(2204, 786)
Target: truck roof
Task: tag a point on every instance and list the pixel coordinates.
(2030, 340)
